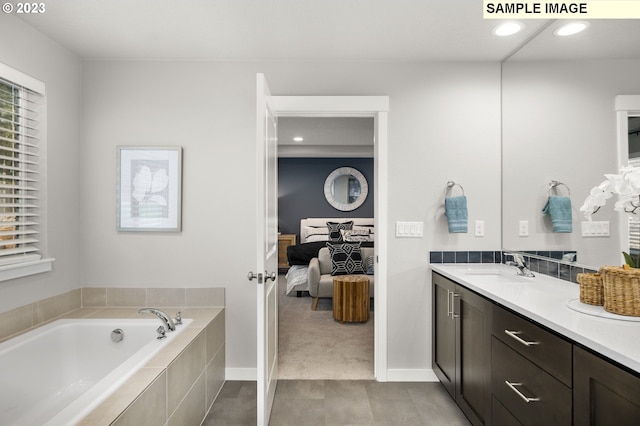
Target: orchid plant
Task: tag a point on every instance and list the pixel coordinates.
(627, 186)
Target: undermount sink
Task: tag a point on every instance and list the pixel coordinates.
(496, 274)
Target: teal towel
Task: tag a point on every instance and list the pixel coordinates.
(559, 208)
(455, 208)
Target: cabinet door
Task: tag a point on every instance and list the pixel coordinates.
(603, 394)
(444, 333)
(473, 355)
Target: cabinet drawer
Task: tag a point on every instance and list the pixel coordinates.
(548, 351)
(549, 400)
(500, 415)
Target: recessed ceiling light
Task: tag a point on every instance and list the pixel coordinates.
(571, 28)
(298, 139)
(508, 28)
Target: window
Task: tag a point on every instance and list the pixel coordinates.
(21, 210)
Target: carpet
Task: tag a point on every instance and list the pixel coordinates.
(314, 346)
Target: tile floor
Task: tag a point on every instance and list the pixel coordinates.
(339, 403)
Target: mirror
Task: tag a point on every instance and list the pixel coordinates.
(560, 124)
(346, 189)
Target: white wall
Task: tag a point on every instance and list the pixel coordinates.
(444, 124)
(31, 53)
(559, 123)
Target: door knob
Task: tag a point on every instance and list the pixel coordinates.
(252, 276)
(273, 276)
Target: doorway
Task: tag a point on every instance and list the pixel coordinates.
(359, 106)
(312, 345)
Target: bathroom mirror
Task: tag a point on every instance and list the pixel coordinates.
(346, 189)
(560, 124)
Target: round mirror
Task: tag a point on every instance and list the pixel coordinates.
(346, 189)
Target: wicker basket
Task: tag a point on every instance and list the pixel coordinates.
(591, 289)
(621, 290)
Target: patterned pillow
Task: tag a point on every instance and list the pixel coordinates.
(346, 259)
(334, 230)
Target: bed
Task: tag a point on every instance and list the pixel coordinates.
(314, 234)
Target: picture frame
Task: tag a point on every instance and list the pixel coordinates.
(149, 189)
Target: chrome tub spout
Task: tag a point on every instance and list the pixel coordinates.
(166, 319)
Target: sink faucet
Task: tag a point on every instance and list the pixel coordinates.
(166, 319)
(518, 262)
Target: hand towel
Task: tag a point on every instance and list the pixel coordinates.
(559, 208)
(455, 208)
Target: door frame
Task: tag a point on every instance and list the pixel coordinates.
(360, 106)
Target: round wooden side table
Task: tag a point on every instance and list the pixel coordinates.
(351, 298)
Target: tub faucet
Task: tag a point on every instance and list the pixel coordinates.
(166, 319)
(518, 262)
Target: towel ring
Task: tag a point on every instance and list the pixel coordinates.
(451, 184)
(554, 184)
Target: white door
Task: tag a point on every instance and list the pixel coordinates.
(267, 251)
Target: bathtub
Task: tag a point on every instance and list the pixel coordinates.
(56, 374)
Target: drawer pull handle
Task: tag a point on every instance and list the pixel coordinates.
(514, 334)
(520, 394)
(453, 305)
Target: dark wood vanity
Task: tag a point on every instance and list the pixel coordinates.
(503, 368)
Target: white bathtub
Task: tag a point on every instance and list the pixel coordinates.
(56, 374)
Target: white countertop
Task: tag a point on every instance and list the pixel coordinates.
(544, 300)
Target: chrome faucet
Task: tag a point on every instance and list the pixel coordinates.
(518, 262)
(166, 319)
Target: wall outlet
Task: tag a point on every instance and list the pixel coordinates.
(523, 228)
(479, 228)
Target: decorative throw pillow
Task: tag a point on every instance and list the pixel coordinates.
(355, 235)
(346, 259)
(334, 230)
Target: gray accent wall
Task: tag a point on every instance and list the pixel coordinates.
(301, 190)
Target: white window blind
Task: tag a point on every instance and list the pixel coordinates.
(20, 128)
(634, 223)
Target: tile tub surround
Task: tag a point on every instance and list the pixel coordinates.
(176, 387)
(181, 382)
(26, 317)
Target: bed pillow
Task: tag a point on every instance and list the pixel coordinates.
(355, 235)
(334, 230)
(317, 237)
(314, 233)
(346, 259)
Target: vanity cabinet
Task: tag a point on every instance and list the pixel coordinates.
(505, 369)
(461, 349)
(530, 371)
(604, 394)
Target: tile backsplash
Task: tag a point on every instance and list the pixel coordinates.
(35, 314)
(538, 262)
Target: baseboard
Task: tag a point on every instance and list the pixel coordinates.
(393, 375)
(241, 374)
(405, 375)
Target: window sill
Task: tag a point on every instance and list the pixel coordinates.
(17, 270)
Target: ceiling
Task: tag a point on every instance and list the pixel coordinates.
(341, 137)
(316, 30)
(308, 30)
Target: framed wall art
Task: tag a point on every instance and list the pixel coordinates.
(149, 189)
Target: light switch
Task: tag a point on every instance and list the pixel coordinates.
(409, 229)
(479, 228)
(595, 228)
